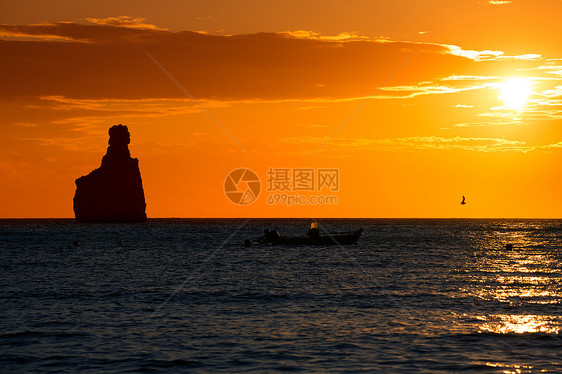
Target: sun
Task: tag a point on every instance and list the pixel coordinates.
(515, 92)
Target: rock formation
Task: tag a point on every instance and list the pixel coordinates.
(113, 192)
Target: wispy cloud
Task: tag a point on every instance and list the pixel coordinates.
(488, 55)
(488, 123)
(342, 37)
(405, 92)
(469, 78)
(456, 143)
(497, 2)
(426, 143)
(145, 107)
(124, 21)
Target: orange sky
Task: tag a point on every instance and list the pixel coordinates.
(407, 100)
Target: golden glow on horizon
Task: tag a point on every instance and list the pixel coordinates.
(515, 92)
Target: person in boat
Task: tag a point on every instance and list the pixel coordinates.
(313, 231)
(270, 236)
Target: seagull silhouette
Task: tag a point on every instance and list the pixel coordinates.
(463, 202)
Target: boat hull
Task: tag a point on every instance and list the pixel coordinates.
(337, 239)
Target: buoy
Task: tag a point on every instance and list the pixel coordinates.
(509, 246)
(120, 243)
(247, 243)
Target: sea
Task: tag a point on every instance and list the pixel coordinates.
(186, 296)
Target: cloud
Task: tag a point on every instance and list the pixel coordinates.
(488, 123)
(123, 21)
(496, 2)
(106, 60)
(552, 93)
(468, 78)
(475, 55)
(344, 36)
(457, 143)
(144, 107)
(425, 143)
(490, 55)
(405, 92)
(75, 32)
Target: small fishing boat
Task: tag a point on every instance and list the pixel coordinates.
(313, 238)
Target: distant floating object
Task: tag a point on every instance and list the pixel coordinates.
(509, 246)
(463, 202)
(76, 243)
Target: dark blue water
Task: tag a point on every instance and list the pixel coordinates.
(431, 296)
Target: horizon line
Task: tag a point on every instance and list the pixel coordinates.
(300, 218)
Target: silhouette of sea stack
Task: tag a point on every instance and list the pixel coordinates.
(113, 192)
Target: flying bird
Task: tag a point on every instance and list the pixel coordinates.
(463, 202)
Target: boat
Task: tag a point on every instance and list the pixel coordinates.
(331, 239)
(313, 238)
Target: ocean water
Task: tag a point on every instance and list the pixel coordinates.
(431, 296)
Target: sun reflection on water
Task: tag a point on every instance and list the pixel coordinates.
(512, 369)
(526, 278)
(521, 324)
